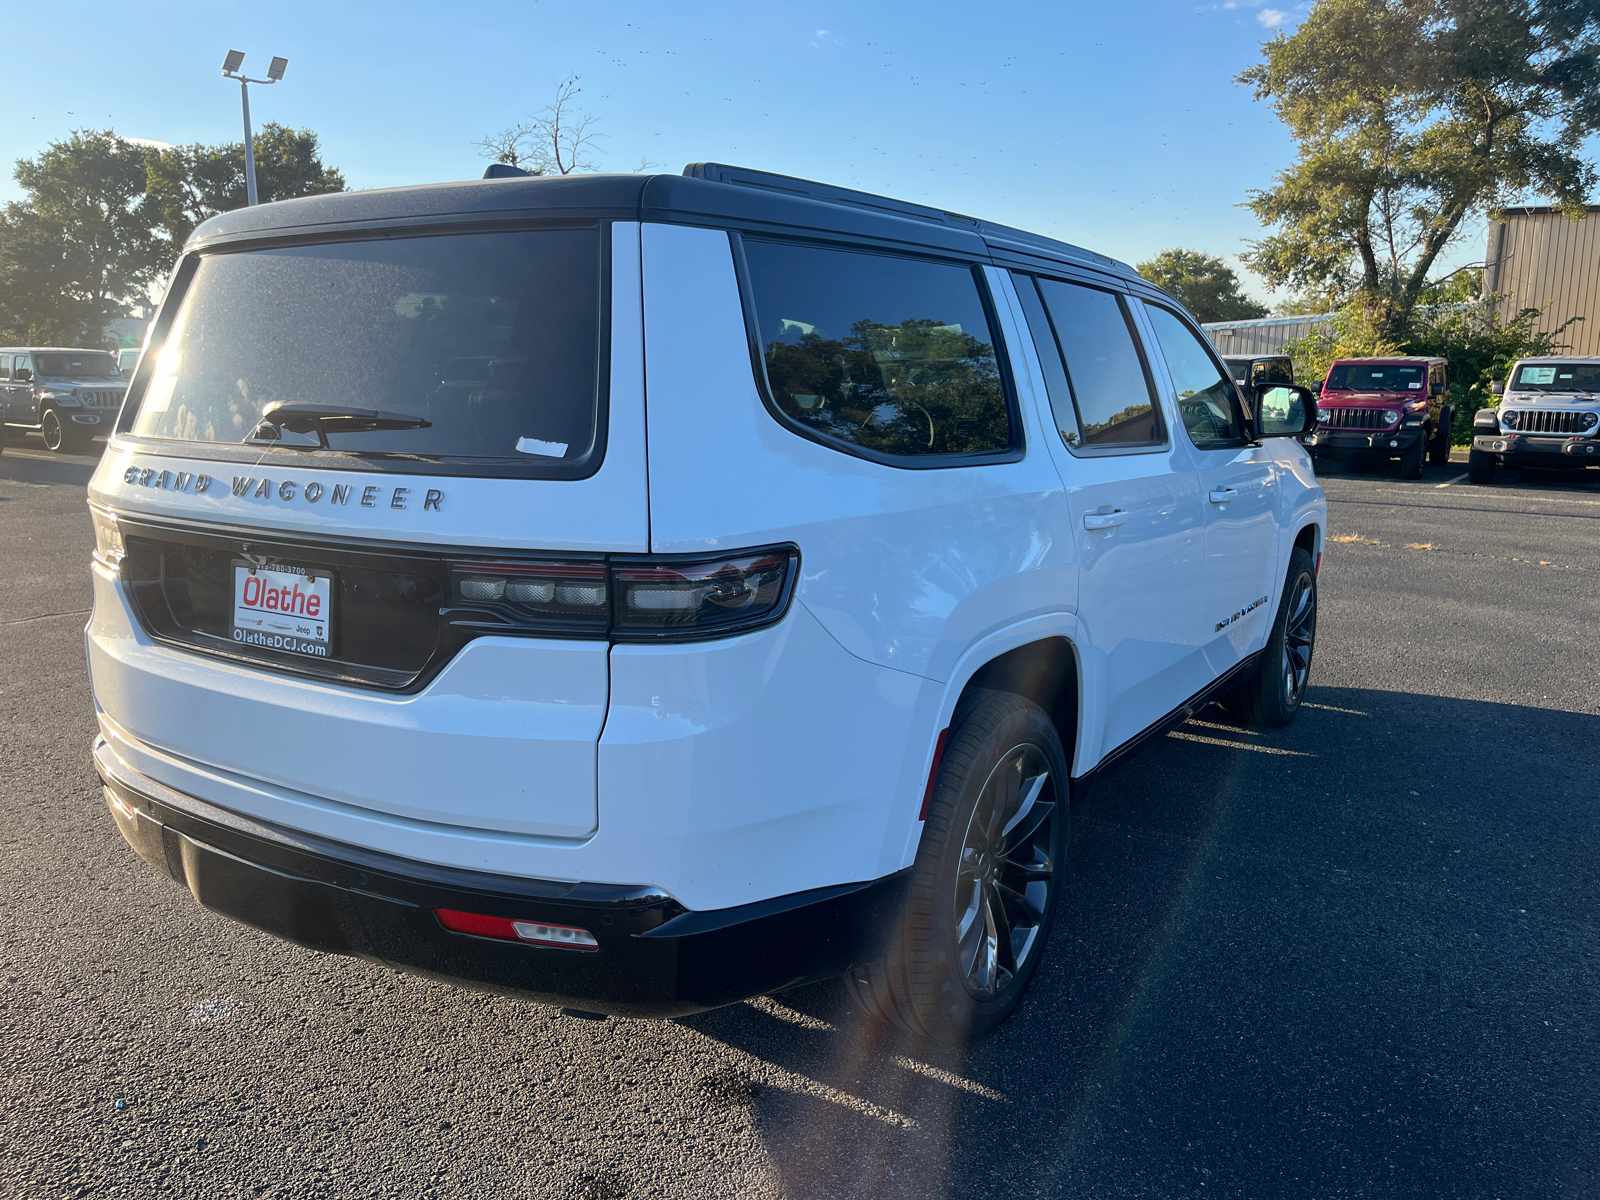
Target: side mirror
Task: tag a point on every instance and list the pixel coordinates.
(1497, 387)
(1285, 410)
(23, 375)
(1437, 389)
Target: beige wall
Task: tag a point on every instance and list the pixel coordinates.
(1541, 257)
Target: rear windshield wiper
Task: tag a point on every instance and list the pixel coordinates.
(323, 419)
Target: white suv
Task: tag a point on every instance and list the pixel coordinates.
(641, 594)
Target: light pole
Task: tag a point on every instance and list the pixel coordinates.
(230, 68)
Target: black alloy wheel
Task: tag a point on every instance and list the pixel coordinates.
(1003, 877)
(55, 436)
(986, 879)
(1272, 694)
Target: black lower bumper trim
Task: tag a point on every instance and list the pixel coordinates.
(1375, 443)
(655, 957)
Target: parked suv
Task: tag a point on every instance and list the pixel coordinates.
(65, 395)
(1256, 370)
(1386, 408)
(644, 593)
(1548, 417)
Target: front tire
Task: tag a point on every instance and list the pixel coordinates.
(1272, 694)
(1480, 467)
(1411, 462)
(985, 883)
(55, 436)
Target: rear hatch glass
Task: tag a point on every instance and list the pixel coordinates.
(474, 353)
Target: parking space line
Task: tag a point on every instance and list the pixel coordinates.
(1447, 483)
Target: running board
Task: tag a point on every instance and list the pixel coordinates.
(1083, 784)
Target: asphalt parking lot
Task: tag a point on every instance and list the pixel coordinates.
(1353, 958)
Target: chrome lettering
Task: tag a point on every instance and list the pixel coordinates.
(180, 481)
(264, 488)
(369, 497)
(286, 490)
(340, 494)
(161, 480)
(131, 475)
(241, 485)
(145, 476)
(398, 500)
(313, 492)
(201, 483)
(431, 500)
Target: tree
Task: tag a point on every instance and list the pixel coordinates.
(556, 141)
(1410, 115)
(188, 184)
(1202, 283)
(79, 249)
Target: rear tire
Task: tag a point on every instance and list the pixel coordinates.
(986, 878)
(1480, 467)
(1271, 696)
(1411, 462)
(1439, 448)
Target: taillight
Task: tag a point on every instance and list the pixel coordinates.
(707, 596)
(561, 596)
(634, 599)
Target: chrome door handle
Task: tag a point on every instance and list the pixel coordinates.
(1105, 520)
(1223, 495)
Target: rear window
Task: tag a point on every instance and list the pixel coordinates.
(891, 355)
(489, 342)
(92, 365)
(1377, 377)
(1109, 385)
(1558, 377)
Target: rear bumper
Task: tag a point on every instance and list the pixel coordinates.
(655, 957)
(1378, 442)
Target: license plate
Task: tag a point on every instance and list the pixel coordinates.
(283, 607)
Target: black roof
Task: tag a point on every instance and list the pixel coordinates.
(711, 193)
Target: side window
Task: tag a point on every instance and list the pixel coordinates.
(1206, 396)
(1055, 373)
(1107, 381)
(5, 366)
(23, 371)
(892, 355)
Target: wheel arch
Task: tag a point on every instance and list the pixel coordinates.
(1040, 659)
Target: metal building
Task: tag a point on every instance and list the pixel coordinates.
(1265, 336)
(1538, 256)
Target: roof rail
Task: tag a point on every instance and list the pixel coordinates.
(997, 236)
(745, 177)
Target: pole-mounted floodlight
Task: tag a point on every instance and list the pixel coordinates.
(230, 68)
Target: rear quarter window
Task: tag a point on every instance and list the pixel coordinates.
(892, 356)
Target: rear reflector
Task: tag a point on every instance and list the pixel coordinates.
(563, 937)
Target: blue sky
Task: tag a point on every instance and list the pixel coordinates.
(1116, 126)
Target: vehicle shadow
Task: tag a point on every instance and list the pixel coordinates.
(1297, 962)
(1577, 479)
(75, 469)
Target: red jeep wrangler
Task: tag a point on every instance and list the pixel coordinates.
(1387, 408)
